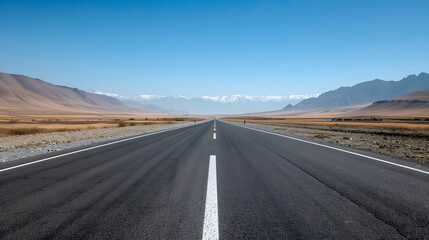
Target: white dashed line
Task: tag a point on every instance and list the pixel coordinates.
(211, 221)
(214, 135)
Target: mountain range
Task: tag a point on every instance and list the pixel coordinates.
(365, 93)
(230, 104)
(226, 104)
(21, 94)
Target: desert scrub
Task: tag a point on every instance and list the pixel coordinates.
(321, 136)
(121, 124)
(24, 131)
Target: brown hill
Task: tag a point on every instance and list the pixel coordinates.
(414, 104)
(21, 94)
(420, 95)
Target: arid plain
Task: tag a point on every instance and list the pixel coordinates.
(404, 137)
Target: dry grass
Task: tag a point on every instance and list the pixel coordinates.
(47, 124)
(93, 117)
(409, 123)
(24, 131)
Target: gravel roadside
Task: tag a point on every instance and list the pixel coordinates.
(17, 147)
(404, 144)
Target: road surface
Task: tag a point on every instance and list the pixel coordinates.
(213, 180)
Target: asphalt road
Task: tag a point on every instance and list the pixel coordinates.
(188, 183)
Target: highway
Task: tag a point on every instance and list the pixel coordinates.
(213, 180)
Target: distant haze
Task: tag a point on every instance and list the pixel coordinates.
(226, 104)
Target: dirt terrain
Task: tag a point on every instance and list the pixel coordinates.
(28, 135)
(20, 146)
(407, 140)
(46, 124)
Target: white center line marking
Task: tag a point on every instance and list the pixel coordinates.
(338, 149)
(211, 221)
(214, 135)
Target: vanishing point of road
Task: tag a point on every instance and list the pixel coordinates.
(213, 180)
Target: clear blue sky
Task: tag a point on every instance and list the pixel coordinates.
(199, 48)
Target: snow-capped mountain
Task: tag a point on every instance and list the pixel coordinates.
(236, 98)
(153, 97)
(226, 104)
(108, 94)
(226, 99)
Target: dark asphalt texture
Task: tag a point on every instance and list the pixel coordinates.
(269, 187)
